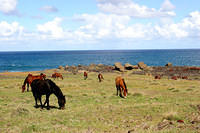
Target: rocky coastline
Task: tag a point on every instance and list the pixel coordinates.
(169, 71)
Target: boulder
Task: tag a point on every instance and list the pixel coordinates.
(92, 64)
(61, 67)
(135, 67)
(100, 65)
(66, 67)
(73, 67)
(141, 65)
(168, 64)
(119, 67)
(128, 66)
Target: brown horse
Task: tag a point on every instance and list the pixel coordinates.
(29, 79)
(121, 86)
(85, 75)
(100, 77)
(157, 77)
(57, 75)
(174, 77)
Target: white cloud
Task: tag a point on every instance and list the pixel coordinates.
(128, 7)
(49, 9)
(8, 6)
(101, 27)
(51, 29)
(10, 31)
(188, 27)
(167, 6)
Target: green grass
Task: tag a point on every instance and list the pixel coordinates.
(94, 107)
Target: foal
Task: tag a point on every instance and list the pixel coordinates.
(100, 77)
(57, 75)
(121, 86)
(85, 75)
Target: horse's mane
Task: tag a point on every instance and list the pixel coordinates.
(25, 81)
(55, 88)
(124, 83)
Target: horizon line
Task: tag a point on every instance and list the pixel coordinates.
(101, 50)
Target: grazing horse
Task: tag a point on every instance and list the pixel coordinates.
(100, 77)
(29, 79)
(121, 86)
(57, 75)
(174, 77)
(85, 75)
(157, 77)
(47, 87)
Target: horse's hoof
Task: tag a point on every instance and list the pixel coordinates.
(48, 108)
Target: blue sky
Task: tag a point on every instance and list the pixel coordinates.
(28, 25)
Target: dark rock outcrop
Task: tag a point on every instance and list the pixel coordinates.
(119, 67)
(168, 64)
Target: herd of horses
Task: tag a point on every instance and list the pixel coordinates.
(42, 86)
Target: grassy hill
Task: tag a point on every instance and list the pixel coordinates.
(93, 107)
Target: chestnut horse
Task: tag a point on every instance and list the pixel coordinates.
(29, 79)
(57, 75)
(85, 75)
(121, 86)
(100, 77)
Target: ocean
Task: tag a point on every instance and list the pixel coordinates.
(40, 60)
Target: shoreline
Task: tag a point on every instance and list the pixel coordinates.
(169, 71)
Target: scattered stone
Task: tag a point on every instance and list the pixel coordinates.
(165, 124)
(119, 67)
(128, 66)
(66, 67)
(100, 65)
(148, 117)
(141, 65)
(195, 118)
(168, 64)
(131, 131)
(61, 67)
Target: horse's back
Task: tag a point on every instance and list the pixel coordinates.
(41, 87)
(118, 80)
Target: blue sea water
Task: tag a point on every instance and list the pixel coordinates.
(40, 60)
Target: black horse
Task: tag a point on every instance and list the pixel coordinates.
(47, 87)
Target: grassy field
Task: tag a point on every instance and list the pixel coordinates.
(92, 107)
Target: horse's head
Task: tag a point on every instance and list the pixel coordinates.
(43, 75)
(61, 102)
(23, 88)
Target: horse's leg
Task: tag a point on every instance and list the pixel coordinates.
(40, 98)
(47, 101)
(35, 96)
(117, 87)
(120, 88)
(27, 86)
(125, 92)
